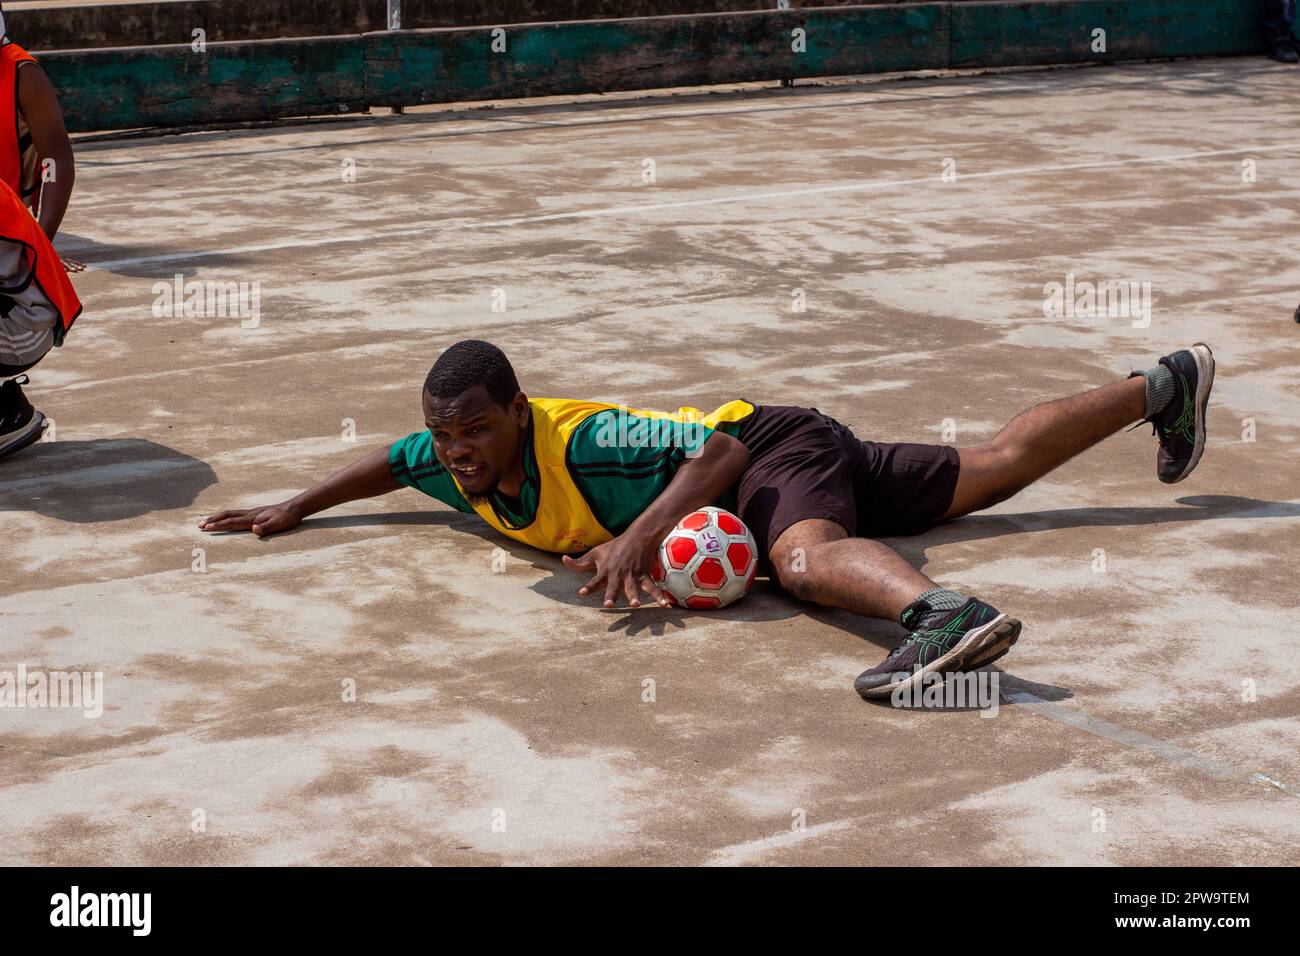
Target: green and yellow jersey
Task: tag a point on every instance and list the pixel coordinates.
(590, 468)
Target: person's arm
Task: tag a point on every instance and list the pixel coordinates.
(365, 478)
(624, 564)
(40, 107)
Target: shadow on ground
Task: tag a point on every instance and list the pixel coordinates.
(102, 480)
(980, 526)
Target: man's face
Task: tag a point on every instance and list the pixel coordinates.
(477, 439)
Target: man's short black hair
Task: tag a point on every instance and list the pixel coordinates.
(473, 362)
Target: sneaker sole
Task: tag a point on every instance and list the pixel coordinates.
(25, 436)
(995, 651)
(981, 639)
(1204, 382)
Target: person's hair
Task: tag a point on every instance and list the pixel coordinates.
(473, 362)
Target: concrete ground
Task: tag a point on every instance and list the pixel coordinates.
(1149, 712)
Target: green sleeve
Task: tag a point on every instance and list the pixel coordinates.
(414, 464)
(621, 468)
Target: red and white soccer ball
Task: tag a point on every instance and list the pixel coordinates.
(708, 561)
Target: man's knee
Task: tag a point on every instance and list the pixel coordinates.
(1009, 488)
(784, 557)
(1014, 471)
(792, 576)
(791, 558)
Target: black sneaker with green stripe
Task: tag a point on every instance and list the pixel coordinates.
(1181, 425)
(972, 635)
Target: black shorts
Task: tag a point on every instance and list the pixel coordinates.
(807, 465)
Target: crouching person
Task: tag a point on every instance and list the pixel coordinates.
(37, 307)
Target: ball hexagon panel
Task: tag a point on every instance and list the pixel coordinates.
(739, 556)
(730, 524)
(710, 574)
(694, 521)
(681, 550)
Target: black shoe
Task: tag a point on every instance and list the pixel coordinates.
(971, 636)
(1283, 50)
(1181, 426)
(20, 424)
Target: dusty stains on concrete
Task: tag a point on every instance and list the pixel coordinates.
(498, 717)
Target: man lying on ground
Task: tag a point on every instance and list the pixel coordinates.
(568, 477)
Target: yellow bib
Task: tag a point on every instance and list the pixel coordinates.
(563, 522)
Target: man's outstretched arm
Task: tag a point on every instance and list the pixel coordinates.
(365, 478)
(624, 564)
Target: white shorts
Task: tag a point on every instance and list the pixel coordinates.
(27, 318)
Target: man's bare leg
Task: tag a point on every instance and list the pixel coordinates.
(816, 560)
(820, 561)
(1039, 440)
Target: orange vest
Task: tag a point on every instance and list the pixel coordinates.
(15, 141)
(18, 226)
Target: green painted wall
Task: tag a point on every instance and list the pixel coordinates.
(155, 23)
(1032, 33)
(173, 85)
(543, 59)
